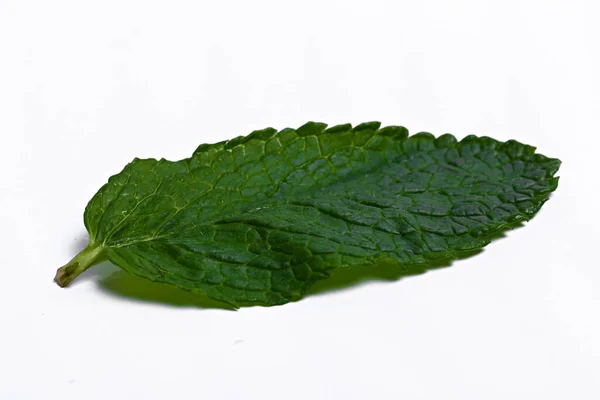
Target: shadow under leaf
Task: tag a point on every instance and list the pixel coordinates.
(344, 278)
(116, 282)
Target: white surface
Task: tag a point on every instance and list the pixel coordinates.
(87, 86)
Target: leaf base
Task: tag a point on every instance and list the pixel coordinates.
(93, 254)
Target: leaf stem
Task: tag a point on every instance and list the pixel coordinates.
(93, 254)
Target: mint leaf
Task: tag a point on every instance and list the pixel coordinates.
(258, 219)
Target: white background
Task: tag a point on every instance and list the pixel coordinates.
(87, 86)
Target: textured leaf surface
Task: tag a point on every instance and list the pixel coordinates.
(258, 219)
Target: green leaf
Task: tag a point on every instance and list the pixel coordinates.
(260, 218)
